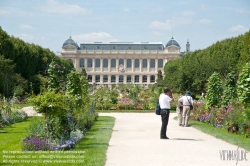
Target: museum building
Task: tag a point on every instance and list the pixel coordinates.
(121, 62)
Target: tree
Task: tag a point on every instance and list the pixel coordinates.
(243, 85)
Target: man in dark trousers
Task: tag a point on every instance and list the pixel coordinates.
(165, 99)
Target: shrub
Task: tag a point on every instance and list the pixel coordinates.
(7, 120)
(35, 143)
(19, 116)
(37, 127)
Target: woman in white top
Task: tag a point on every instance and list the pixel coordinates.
(186, 101)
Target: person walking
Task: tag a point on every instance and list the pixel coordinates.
(164, 100)
(187, 103)
(179, 110)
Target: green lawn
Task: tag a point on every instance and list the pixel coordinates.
(220, 133)
(92, 148)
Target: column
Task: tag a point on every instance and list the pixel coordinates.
(101, 64)
(148, 65)
(109, 64)
(85, 63)
(125, 64)
(124, 79)
(76, 64)
(93, 64)
(117, 79)
(117, 65)
(148, 79)
(93, 79)
(133, 64)
(140, 79)
(156, 65)
(109, 79)
(101, 79)
(140, 65)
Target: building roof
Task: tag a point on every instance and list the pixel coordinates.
(172, 42)
(70, 42)
(122, 46)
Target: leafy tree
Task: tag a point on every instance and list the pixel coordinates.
(230, 90)
(214, 91)
(243, 87)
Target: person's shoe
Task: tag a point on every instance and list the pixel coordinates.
(164, 138)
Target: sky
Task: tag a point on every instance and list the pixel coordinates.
(49, 23)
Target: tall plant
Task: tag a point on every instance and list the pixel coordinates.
(214, 91)
(243, 85)
(230, 90)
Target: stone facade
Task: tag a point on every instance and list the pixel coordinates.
(120, 62)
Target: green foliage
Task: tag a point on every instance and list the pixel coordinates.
(230, 90)
(214, 91)
(37, 127)
(243, 87)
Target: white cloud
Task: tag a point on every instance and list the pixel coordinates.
(238, 28)
(25, 26)
(164, 26)
(125, 9)
(205, 21)
(243, 11)
(24, 36)
(54, 6)
(94, 37)
(205, 6)
(156, 33)
(187, 13)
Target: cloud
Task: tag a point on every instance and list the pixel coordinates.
(164, 26)
(24, 37)
(54, 6)
(187, 13)
(156, 33)
(25, 26)
(238, 28)
(205, 21)
(125, 9)
(205, 7)
(94, 37)
(243, 11)
(3, 12)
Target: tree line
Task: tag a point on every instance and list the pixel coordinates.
(23, 65)
(191, 72)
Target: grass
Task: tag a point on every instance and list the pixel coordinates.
(92, 147)
(222, 134)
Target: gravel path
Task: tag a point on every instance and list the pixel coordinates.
(30, 111)
(136, 141)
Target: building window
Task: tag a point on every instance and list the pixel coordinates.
(89, 62)
(105, 78)
(121, 61)
(98, 47)
(128, 78)
(144, 79)
(137, 63)
(97, 62)
(120, 78)
(89, 78)
(152, 63)
(113, 63)
(97, 78)
(129, 63)
(113, 78)
(136, 78)
(160, 63)
(105, 62)
(152, 78)
(81, 62)
(144, 63)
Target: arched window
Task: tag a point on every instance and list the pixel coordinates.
(89, 62)
(105, 78)
(152, 78)
(97, 78)
(89, 78)
(128, 78)
(136, 78)
(144, 63)
(120, 78)
(81, 62)
(137, 63)
(113, 78)
(129, 63)
(97, 62)
(152, 63)
(105, 62)
(113, 63)
(160, 63)
(144, 78)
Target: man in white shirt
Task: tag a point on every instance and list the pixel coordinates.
(164, 100)
(186, 101)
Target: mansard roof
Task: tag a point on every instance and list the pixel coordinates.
(122, 46)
